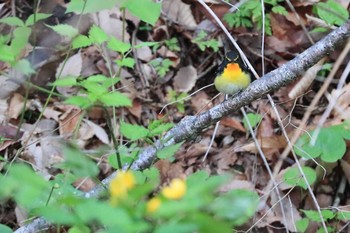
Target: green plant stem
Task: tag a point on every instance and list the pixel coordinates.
(111, 130)
(45, 90)
(76, 130)
(48, 199)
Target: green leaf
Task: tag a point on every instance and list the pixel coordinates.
(112, 160)
(20, 40)
(332, 12)
(115, 99)
(5, 229)
(133, 132)
(253, 120)
(329, 229)
(102, 80)
(79, 229)
(209, 224)
(97, 35)
(343, 215)
(12, 21)
(278, 9)
(318, 29)
(313, 215)
(293, 177)
(79, 101)
(177, 227)
(78, 163)
(24, 67)
(302, 224)
(127, 62)
(81, 41)
(118, 46)
(32, 19)
(238, 205)
(332, 144)
(146, 44)
(65, 82)
(57, 214)
(90, 6)
(7, 54)
(149, 12)
(168, 151)
(65, 30)
(26, 187)
(159, 129)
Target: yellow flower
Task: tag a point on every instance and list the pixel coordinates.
(121, 183)
(176, 190)
(153, 204)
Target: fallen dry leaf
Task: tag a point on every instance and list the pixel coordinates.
(16, 106)
(72, 67)
(201, 102)
(179, 12)
(232, 123)
(112, 25)
(136, 108)
(98, 131)
(185, 79)
(143, 53)
(69, 120)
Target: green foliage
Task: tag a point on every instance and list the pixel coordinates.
(168, 151)
(95, 89)
(343, 215)
(78, 164)
(173, 44)
(149, 12)
(118, 46)
(133, 132)
(18, 41)
(89, 6)
(5, 229)
(81, 41)
(65, 30)
(314, 215)
(253, 120)
(329, 229)
(162, 66)
(157, 127)
(91, 215)
(97, 35)
(137, 132)
(24, 67)
(179, 99)
(250, 13)
(327, 215)
(329, 146)
(203, 42)
(24, 186)
(293, 176)
(243, 204)
(331, 12)
(302, 224)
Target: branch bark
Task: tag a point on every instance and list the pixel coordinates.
(191, 126)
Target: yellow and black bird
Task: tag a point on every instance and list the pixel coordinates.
(233, 75)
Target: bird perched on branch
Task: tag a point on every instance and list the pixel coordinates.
(233, 75)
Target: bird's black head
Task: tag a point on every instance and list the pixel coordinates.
(232, 56)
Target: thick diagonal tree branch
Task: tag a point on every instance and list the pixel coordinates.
(191, 126)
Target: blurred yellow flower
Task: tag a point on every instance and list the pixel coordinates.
(153, 204)
(176, 190)
(121, 183)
